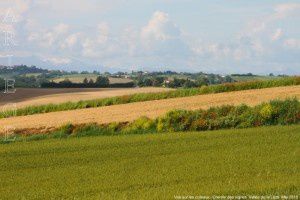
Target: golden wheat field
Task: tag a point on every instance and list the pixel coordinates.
(35, 96)
(132, 111)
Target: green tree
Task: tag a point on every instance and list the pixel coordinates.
(102, 81)
(85, 81)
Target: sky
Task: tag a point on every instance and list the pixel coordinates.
(217, 36)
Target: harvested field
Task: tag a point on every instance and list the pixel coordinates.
(128, 112)
(35, 96)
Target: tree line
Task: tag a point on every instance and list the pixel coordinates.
(100, 82)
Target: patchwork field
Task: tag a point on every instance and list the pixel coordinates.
(161, 166)
(78, 78)
(132, 111)
(38, 96)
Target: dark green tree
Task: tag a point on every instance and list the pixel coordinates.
(102, 81)
(85, 81)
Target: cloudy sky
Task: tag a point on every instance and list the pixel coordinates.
(223, 36)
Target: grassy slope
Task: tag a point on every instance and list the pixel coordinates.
(250, 161)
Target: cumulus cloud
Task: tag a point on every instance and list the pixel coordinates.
(160, 27)
(102, 33)
(277, 34)
(162, 37)
(51, 37)
(70, 41)
(262, 24)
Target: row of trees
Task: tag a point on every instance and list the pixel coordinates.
(199, 81)
(21, 69)
(100, 82)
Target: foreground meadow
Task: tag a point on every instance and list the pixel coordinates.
(259, 161)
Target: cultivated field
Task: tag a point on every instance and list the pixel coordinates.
(260, 161)
(38, 96)
(129, 112)
(254, 78)
(78, 78)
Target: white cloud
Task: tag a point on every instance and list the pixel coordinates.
(160, 27)
(277, 34)
(103, 33)
(70, 41)
(101, 44)
(60, 29)
(280, 12)
(49, 38)
(161, 37)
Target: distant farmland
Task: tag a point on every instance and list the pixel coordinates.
(38, 96)
(78, 78)
(132, 111)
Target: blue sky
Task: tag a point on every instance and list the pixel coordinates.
(221, 36)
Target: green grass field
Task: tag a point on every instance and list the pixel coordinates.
(254, 78)
(260, 161)
(78, 78)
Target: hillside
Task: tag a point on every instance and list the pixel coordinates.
(128, 112)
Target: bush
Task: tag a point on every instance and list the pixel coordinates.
(267, 112)
(141, 125)
(67, 129)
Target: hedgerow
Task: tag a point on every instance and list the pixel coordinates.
(228, 87)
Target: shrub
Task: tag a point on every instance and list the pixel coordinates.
(67, 129)
(141, 125)
(267, 112)
(200, 125)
